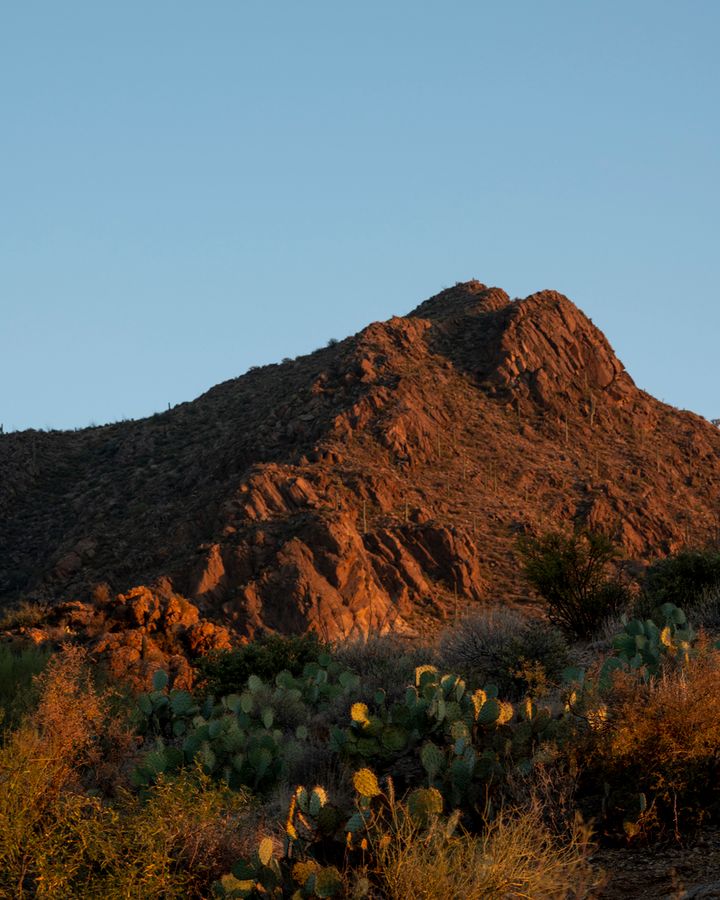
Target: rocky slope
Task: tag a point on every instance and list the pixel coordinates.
(377, 483)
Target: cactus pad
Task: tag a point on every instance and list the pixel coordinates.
(301, 871)
(328, 882)
(424, 803)
(432, 758)
(359, 713)
(318, 799)
(366, 783)
(490, 712)
(427, 671)
(265, 851)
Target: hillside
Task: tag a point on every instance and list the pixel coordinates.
(379, 482)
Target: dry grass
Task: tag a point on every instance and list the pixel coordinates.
(518, 857)
(25, 614)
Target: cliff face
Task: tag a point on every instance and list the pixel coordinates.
(378, 483)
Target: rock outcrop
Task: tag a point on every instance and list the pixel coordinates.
(379, 483)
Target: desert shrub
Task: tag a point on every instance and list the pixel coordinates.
(683, 578)
(203, 827)
(502, 646)
(382, 662)
(540, 653)
(480, 640)
(70, 827)
(25, 614)
(572, 575)
(18, 692)
(705, 610)
(227, 671)
(45, 756)
(173, 844)
(657, 750)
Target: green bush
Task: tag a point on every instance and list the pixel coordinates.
(572, 575)
(18, 693)
(683, 578)
(227, 671)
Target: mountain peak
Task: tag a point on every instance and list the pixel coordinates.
(465, 298)
(374, 484)
(550, 349)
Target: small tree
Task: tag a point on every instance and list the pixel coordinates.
(571, 573)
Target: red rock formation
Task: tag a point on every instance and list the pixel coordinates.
(376, 484)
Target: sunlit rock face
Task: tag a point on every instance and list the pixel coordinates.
(377, 484)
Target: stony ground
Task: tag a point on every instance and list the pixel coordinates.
(655, 874)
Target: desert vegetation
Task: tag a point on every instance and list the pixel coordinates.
(491, 762)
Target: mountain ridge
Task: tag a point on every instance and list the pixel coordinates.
(378, 483)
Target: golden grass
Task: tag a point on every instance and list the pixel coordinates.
(518, 857)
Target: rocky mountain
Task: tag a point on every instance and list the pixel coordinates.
(377, 483)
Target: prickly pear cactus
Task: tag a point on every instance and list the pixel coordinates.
(366, 783)
(645, 645)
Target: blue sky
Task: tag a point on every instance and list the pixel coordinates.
(189, 189)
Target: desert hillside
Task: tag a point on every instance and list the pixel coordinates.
(381, 481)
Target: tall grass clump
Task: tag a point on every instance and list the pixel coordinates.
(516, 857)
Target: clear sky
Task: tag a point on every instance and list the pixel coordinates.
(188, 189)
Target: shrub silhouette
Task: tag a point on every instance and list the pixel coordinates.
(571, 573)
(502, 646)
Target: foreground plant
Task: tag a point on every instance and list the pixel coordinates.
(657, 750)
(69, 825)
(406, 848)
